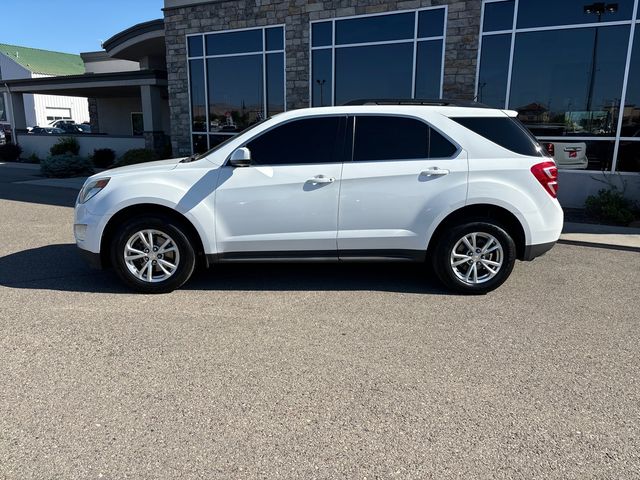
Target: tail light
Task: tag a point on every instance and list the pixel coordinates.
(547, 174)
(551, 149)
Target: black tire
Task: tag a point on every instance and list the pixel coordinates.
(441, 256)
(167, 226)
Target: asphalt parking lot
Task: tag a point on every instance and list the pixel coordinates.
(316, 371)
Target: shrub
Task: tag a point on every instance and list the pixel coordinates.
(103, 157)
(10, 152)
(610, 206)
(167, 152)
(33, 158)
(65, 145)
(137, 155)
(65, 166)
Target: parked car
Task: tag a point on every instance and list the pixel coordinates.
(47, 130)
(6, 129)
(568, 155)
(465, 188)
(85, 127)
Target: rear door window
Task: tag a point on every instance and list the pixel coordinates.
(505, 131)
(379, 138)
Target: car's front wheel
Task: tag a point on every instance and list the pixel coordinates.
(152, 254)
(474, 257)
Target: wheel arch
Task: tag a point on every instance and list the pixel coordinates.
(484, 211)
(147, 209)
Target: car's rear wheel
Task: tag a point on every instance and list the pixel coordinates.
(474, 257)
(152, 255)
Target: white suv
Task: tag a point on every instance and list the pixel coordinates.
(465, 188)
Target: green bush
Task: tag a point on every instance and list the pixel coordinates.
(610, 206)
(103, 157)
(33, 158)
(10, 152)
(167, 152)
(137, 155)
(65, 166)
(65, 145)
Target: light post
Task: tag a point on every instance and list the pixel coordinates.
(321, 83)
(598, 9)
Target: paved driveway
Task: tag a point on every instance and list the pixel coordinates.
(317, 371)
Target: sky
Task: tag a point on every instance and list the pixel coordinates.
(71, 26)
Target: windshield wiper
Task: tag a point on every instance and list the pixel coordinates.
(190, 158)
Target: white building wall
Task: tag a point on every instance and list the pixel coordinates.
(114, 114)
(79, 106)
(35, 105)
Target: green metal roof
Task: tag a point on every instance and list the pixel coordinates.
(44, 61)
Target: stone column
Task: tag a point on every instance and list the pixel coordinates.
(154, 135)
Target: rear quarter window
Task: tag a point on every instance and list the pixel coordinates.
(507, 132)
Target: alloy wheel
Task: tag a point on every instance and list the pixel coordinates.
(151, 255)
(476, 258)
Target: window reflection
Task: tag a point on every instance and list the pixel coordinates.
(234, 42)
(198, 102)
(631, 114)
(321, 78)
(321, 33)
(428, 69)
(569, 81)
(498, 16)
(494, 69)
(237, 84)
(380, 71)
(431, 23)
(387, 62)
(378, 28)
(580, 154)
(235, 92)
(542, 13)
(629, 156)
(275, 83)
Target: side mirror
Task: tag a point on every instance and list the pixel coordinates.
(241, 157)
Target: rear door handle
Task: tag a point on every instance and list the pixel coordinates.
(321, 179)
(435, 171)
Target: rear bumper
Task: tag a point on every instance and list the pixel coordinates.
(534, 251)
(93, 259)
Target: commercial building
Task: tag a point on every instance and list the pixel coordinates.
(26, 63)
(571, 69)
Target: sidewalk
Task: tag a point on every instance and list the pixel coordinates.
(604, 236)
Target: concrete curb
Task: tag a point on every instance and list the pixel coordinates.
(26, 166)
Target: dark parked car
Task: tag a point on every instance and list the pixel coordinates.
(47, 130)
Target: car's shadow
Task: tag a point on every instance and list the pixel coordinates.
(60, 267)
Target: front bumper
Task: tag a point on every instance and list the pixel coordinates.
(88, 229)
(534, 251)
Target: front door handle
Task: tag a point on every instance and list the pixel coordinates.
(435, 171)
(321, 179)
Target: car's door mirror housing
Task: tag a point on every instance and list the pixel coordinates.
(241, 157)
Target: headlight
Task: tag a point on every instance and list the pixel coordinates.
(91, 189)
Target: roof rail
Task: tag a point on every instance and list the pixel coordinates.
(441, 102)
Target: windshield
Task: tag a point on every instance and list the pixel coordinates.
(231, 137)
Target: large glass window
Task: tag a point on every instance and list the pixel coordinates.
(563, 69)
(492, 81)
(395, 55)
(311, 140)
(236, 79)
(570, 80)
(544, 13)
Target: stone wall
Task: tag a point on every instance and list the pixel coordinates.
(460, 51)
